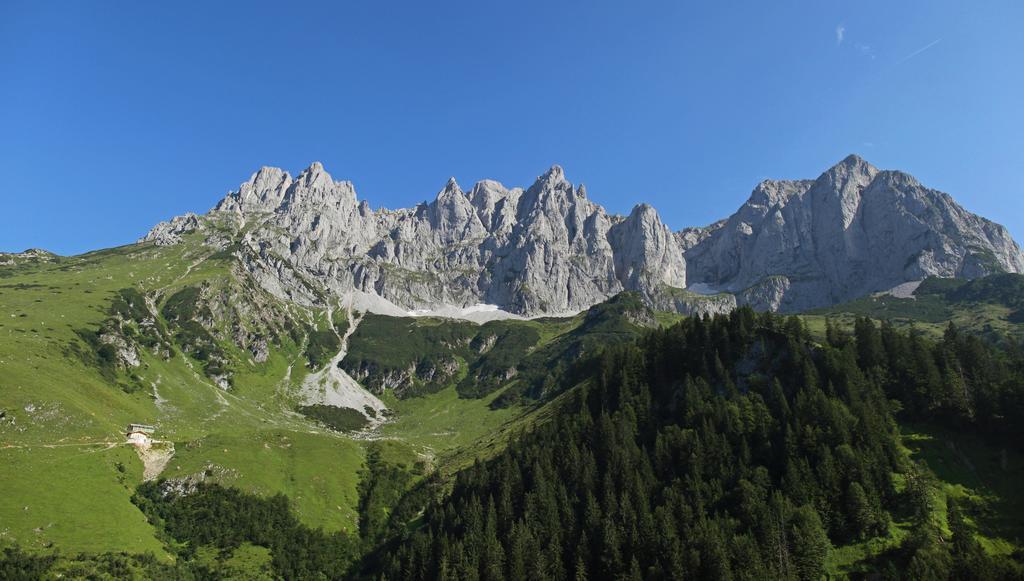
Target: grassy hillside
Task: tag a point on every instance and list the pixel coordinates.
(73, 497)
(522, 362)
(991, 307)
(68, 476)
(170, 336)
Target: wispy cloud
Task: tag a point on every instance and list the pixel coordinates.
(918, 51)
(865, 49)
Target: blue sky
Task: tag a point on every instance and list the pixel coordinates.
(115, 115)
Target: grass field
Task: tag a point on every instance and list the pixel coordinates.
(73, 498)
(440, 422)
(318, 472)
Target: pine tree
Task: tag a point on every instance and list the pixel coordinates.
(810, 544)
(493, 558)
(858, 510)
(634, 571)
(580, 571)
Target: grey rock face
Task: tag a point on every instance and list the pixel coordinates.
(260, 350)
(855, 230)
(169, 233)
(650, 256)
(549, 249)
(690, 303)
(766, 295)
(125, 353)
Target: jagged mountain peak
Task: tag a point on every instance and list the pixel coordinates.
(642, 239)
(550, 249)
(489, 185)
(852, 231)
(554, 180)
(547, 249)
(847, 178)
(315, 176)
(486, 193)
(851, 170)
(554, 174)
(853, 161)
(269, 174)
(452, 215)
(644, 209)
(896, 178)
(643, 213)
(314, 168)
(451, 188)
(769, 193)
(550, 194)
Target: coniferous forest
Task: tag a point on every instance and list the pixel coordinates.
(732, 447)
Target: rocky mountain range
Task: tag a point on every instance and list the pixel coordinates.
(855, 230)
(548, 249)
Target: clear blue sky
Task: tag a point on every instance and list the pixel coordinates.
(115, 115)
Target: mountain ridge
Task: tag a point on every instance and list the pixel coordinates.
(549, 249)
(854, 230)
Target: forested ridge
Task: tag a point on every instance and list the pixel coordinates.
(732, 447)
(960, 381)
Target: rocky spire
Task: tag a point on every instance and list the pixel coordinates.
(647, 254)
(452, 215)
(263, 192)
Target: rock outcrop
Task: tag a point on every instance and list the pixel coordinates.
(169, 233)
(32, 255)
